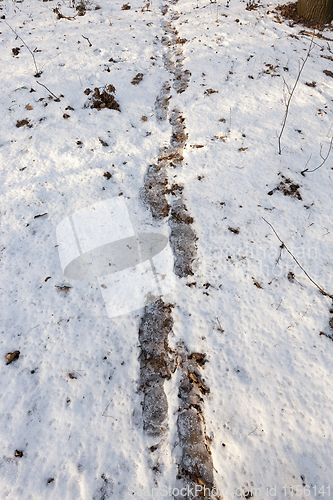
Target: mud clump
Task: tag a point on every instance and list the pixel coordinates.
(288, 188)
(103, 98)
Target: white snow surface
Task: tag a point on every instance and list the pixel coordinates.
(269, 412)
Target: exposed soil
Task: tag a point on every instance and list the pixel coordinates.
(157, 362)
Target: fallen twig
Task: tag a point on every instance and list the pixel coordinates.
(90, 44)
(324, 159)
(328, 336)
(45, 87)
(291, 92)
(299, 265)
(40, 215)
(318, 35)
(253, 432)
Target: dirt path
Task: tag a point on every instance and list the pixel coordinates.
(157, 361)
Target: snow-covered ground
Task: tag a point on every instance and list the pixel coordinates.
(268, 413)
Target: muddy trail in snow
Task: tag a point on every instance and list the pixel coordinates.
(157, 361)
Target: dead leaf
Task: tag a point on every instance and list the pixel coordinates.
(144, 118)
(255, 282)
(28, 107)
(211, 91)
(105, 144)
(64, 288)
(328, 73)
(12, 356)
(22, 123)
(137, 79)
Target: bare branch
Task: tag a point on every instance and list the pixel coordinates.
(37, 72)
(299, 265)
(292, 92)
(324, 159)
(86, 38)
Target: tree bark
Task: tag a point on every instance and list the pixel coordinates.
(316, 10)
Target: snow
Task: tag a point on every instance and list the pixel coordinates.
(270, 371)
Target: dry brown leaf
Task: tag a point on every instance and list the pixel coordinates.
(255, 282)
(12, 356)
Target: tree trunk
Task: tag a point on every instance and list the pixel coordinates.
(316, 10)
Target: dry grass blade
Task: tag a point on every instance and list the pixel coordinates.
(108, 416)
